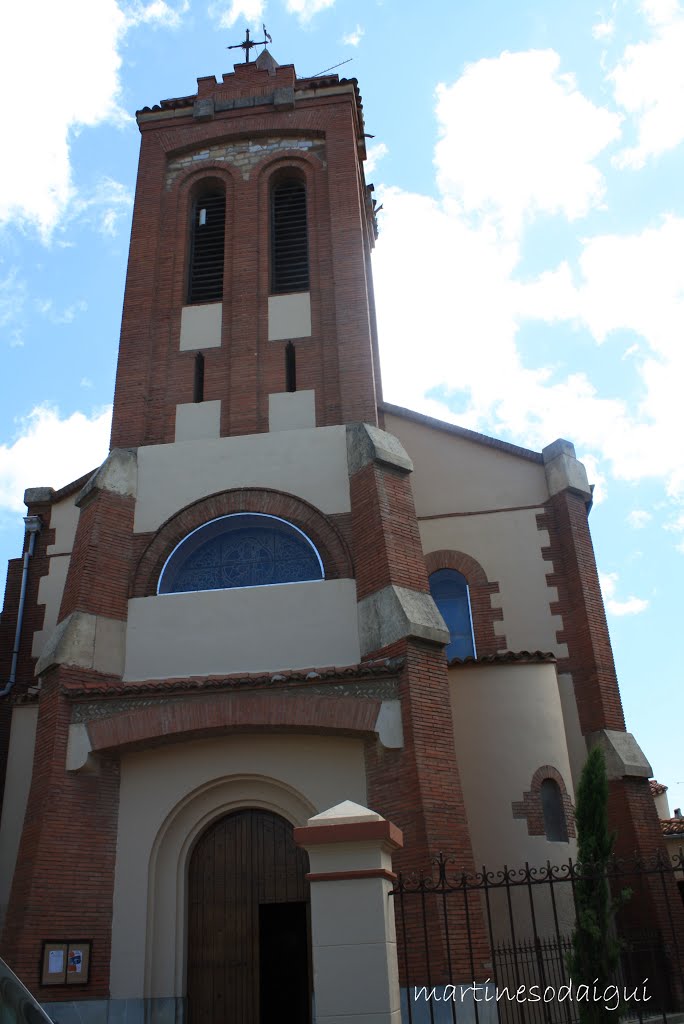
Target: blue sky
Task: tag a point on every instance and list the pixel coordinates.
(529, 272)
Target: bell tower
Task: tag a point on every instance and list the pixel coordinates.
(248, 302)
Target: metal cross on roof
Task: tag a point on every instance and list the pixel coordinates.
(249, 43)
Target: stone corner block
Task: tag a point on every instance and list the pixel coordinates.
(85, 641)
(366, 443)
(396, 612)
(117, 474)
(38, 496)
(203, 109)
(558, 447)
(284, 98)
(623, 754)
(566, 473)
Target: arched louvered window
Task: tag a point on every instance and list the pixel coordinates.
(246, 549)
(205, 279)
(449, 589)
(555, 825)
(289, 242)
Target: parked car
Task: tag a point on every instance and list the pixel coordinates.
(17, 1005)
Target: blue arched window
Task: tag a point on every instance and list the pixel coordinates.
(242, 550)
(449, 590)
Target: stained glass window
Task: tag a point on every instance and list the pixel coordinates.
(242, 550)
(449, 590)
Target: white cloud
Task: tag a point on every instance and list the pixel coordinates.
(638, 518)
(374, 155)
(648, 82)
(353, 38)
(103, 208)
(158, 11)
(53, 449)
(13, 292)
(305, 9)
(603, 30)
(66, 316)
(630, 606)
(63, 59)
(518, 139)
(226, 12)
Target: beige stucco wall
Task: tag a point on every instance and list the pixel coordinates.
(50, 590)
(508, 547)
(168, 797)
(197, 420)
(508, 722)
(18, 782)
(289, 316)
(63, 520)
(201, 326)
(291, 410)
(311, 464)
(453, 474)
(250, 629)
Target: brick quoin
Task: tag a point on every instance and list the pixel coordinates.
(631, 808)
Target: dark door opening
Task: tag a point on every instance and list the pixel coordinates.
(284, 988)
(248, 946)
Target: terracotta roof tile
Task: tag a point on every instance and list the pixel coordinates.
(657, 787)
(505, 658)
(673, 826)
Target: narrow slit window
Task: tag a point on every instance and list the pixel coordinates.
(205, 282)
(290, 367)
(555, 825)
(198, 390)
(289, 241)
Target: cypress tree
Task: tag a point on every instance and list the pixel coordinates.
(595, 950)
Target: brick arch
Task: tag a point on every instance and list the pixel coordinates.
(337, 561)
(485, 617)
(254, 712)
(530, 807)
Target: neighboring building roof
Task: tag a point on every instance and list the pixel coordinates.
(470, 435)
(657, 788)
(673, 826)
(505, 658)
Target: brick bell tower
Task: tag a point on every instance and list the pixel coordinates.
(247, 386)
(249, 295)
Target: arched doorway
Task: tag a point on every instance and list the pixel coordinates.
(248, 946)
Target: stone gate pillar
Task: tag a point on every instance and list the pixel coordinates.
(352, 914)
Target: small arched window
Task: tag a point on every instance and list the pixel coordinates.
(205, 277)
(449, 589)
(555, 825)
(241, 550)
(289, 238)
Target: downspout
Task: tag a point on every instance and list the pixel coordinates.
(33, 526)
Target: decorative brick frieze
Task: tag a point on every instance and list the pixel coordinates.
(246, 712)
(485, 615)
(321, 529)
(243, 154)
(530, 807)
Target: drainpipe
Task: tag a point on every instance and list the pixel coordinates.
(33, 526)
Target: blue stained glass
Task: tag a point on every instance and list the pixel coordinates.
(243, 550)
(449, 590)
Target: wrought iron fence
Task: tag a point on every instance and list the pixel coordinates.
(494, 945)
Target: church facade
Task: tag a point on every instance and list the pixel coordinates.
(281, 598)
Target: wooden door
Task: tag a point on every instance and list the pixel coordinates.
(243, 864)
